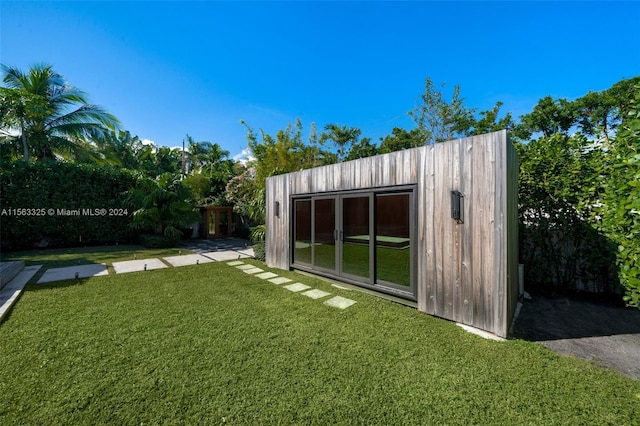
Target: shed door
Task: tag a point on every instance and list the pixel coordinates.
(364, 237)
(355, 241)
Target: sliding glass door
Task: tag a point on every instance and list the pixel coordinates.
(393, 240)
(324, 233)
(363, 237)
(302, 231)
(355, 237)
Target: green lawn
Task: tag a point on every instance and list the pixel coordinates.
(208, 344)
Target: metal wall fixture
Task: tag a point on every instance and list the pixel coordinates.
(276, 209)
(457, 206)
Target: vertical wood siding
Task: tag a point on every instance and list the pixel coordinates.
(466, 272)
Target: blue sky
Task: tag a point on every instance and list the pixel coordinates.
(167, 69)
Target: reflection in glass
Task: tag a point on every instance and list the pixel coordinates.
(355, 239)
(212, 222)
(302, 236)
(324, 233)
(393, 241)
(224, 222)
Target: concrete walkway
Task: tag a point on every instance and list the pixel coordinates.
(12, 290)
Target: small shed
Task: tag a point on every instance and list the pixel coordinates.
(217, 221)
(435, 225)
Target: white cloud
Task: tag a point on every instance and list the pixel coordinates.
(148, 142)
(243, 156)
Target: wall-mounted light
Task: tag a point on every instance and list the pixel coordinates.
(276, 208)
(457, 206)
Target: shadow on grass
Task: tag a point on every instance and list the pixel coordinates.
(33, 287)
(60, 258)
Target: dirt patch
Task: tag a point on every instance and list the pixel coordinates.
(606, 335)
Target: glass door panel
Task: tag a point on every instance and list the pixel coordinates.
(223, 223)
(302, 232)
(393, 239)
(212, 227)
(355, 236)
(324, 232)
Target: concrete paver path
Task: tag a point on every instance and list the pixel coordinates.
(138, 265)
(72, 272)
(11, 291)
(187, 259)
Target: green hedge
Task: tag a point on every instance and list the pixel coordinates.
(158, 241)
(57, 204)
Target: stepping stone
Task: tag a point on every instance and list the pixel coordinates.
(316, 294)
(247, 252)
(221, 256)
(339, 302)
(252, 270)
(296, 287)
(266, 275)
(69, 272)
(137, 265)
(280, 280)
(187, 259)
(243, 266)
(235, 263)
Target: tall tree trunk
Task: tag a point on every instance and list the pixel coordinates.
(25, 147)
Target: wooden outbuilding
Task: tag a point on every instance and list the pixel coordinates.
(435, 225)
(217, 221)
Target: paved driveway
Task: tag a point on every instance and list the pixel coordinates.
(604, 334)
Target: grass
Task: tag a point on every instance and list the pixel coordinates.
(209, 344)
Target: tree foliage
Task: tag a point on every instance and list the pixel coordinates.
(578, 193)
(207, 171)
(162, 205)
(400, 139)
(362, 149)
(342, 137)
(286, 152)
(620, 210)
(247, 198)
(560, 249)
(438, 119)
(47, 116)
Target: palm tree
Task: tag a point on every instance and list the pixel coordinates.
(341, 136)
(62, 119)
(162, 205)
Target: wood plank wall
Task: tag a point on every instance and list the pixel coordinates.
(466, 272)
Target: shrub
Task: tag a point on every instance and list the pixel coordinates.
(243, 232)
(259, 251)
